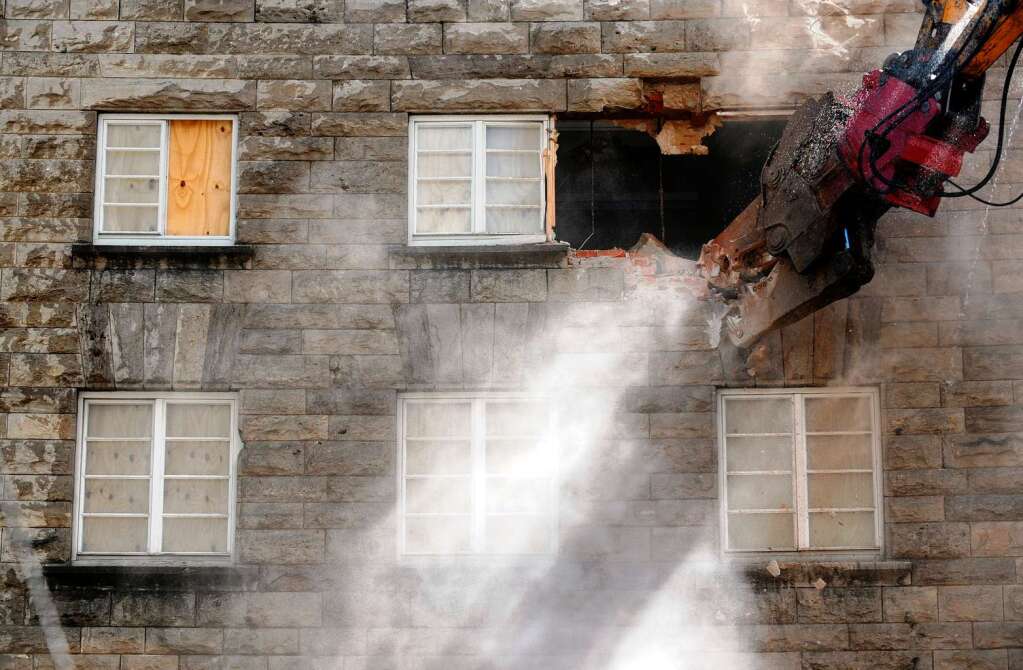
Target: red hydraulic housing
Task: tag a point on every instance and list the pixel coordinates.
(886, 143)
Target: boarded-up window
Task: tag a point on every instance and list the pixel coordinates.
(155, 475)
(165, 180)
(800, 470)
(478, 475)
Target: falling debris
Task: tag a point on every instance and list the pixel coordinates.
(678, 138)
(819, 584)
(773, 568)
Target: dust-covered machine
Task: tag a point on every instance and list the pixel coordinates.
(841, 163)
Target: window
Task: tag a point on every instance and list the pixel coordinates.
(477, 181)
(155, 475)
(800, 470)
(477, 475)
(166, 180)
(614, 183)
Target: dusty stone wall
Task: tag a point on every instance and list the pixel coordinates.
(332, 316)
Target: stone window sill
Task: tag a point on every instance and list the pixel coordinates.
(152, 577)
(510, 256)
(109, 250)
(806, 572)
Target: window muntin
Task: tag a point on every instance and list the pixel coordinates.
(800, 470)
(477, 180)
(166, 180)
(477, 475)
(155, 476)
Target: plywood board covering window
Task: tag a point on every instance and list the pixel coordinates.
(155, 476)
(800, 470)
(166, 180)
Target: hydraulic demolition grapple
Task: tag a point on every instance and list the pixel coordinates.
(843, 162)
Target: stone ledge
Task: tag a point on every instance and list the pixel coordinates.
(508, 256)
(152, 577)
(108, 256)
(805, 573)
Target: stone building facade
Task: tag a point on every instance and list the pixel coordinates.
(321, 315)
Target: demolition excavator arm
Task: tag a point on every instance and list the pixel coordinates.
(842, 162)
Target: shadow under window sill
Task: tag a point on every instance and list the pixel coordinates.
(152, 577)
(540, 255)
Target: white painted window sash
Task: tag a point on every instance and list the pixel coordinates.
(158, 237)
(156, 477)
(800, 471)
(478, 234)
(478, 467)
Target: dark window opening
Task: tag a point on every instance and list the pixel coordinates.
(614, 184)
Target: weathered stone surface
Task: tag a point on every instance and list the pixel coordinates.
(219, 10)
(293, 95)
(392, 39)
(565, 38)
(303, 11)
(93, 36)
(430, 11)
(533, 66)
(600, 95)
(486, 38)
(482, 95)
(169, 94)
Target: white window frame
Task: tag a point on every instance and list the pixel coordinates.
(159, 238)
(478, 477)
(155, 528)
(799, 471)
(478, 236)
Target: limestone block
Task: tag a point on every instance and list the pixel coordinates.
(169, 94)
(152, 10)
(293, 95)
(639, 36)
(26, 35)
(361, 124)
(189, 286)
(301, 11)
(556, 37)
(929, 540)
(361, 67)
(273, 177)
(489, 10)
(37, 9)
(362, 96)
(374, 11)
(618, 10)
(486, 38)
(94, 10)
(482, 95)
(219, 10)
(546, 10)
(93, 36)
(432, 11)
(533, 66)
(600, 95)
(399, 39)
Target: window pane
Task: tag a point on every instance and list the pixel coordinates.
(839, 452)
(197, 458)
(504, 192)
(518, 457)
(518, 496)
(759, 453)
(442, 495)
(132, 190)
(195, 496)
(195, 535)
(444, 165)
(760, 492)
(117, 496)
(761, 532)
(514, 137)
(518, 535)
(842, 529)
(437, 535)
(437, 419)
(514, 221)
(436, 457)
(841, 490)
(513, 164)
(120, 420)
(838, 414)
(114, 535)
(516, 418)
(443, 220)
(138, 219)
(758, 415)
(135, 163)
(117, 458)
(444, 192)
(198, 420)
(134, 135)
(444, 138)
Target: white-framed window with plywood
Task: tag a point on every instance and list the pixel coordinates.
(155, 477)
(477, 474)
(166, 179)
(478, 180)
(800, 470)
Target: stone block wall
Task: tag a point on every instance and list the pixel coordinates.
(331, 316)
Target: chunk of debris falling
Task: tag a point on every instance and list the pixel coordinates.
(819, 584)
(676, 137)
(773, 568)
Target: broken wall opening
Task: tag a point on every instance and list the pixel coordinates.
(614, 183)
